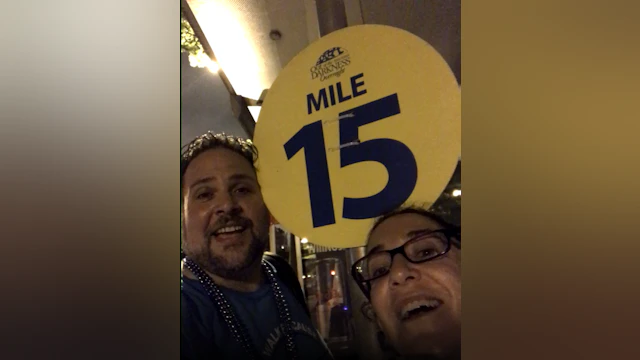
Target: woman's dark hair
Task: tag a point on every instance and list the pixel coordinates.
(412, 209)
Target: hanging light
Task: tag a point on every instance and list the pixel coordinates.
(203, 60)
(233, 34)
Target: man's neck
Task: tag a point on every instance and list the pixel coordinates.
(251, 279)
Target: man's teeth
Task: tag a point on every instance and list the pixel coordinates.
(229, 229)
(418, 304)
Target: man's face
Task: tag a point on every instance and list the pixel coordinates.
(435, 332)
(225, 222)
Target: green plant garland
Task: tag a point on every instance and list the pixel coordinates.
(190, 44)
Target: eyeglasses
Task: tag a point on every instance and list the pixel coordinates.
(423, 247)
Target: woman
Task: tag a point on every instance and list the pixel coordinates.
(411, 276)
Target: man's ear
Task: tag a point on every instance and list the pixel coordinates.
(272, 220)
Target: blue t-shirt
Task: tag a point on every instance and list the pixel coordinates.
(205, 335)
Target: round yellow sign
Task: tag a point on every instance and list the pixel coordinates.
(363, 120)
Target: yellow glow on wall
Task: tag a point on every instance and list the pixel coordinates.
(233, 37)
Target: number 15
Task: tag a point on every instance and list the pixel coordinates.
(395, 156)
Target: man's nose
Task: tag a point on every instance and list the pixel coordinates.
(226, 203)
(402, 271)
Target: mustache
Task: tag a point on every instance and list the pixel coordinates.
(224, 221)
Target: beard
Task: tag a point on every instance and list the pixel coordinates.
(233, 269)
(234, 261)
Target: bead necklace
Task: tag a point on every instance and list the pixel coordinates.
(236, 327)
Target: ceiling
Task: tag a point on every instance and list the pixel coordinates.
(435, 21)
(205, 104)
(243, 24)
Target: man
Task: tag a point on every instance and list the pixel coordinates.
(236, 302)
(411, 275)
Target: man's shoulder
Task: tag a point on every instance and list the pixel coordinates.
(282, 269)
(194, 302)
(285, 273)
(275, 257)
(280, 266)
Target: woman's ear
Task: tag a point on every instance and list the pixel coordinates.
(387, 349)
(367, 311)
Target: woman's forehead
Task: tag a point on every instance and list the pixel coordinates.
(395, 230)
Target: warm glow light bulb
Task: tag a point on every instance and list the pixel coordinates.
(213, 66)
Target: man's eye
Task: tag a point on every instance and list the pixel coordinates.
(243, 190)
(205, 195)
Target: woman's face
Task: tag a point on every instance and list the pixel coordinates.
(433, 287)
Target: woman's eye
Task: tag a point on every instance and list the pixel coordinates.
(425, 253)
(379, 271)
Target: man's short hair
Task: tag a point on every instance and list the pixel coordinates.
(209, 141)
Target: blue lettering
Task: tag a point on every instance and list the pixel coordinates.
(332, 94)
(340, 97)
(322, 101)
(355, 86)
(322, 96)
